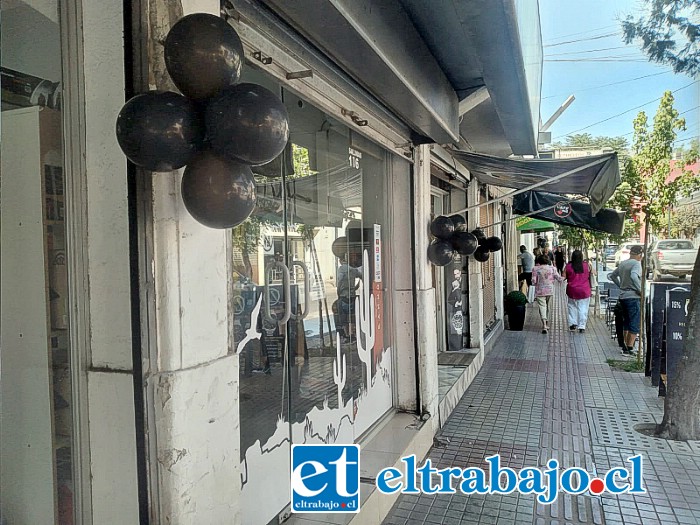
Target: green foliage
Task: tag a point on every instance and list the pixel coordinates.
(627, 366)
(668, 33)
(586, 140)
(648, 170)
(685, 221)
(515, 298)
(246, 237)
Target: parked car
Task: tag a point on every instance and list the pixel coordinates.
(609, 252)
(671, 257)
(623, 252)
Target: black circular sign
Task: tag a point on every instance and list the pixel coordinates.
(562, 209)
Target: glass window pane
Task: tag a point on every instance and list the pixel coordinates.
(36, 434)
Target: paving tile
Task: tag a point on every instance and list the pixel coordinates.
(541, 397)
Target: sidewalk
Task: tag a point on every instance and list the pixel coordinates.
(553, 396)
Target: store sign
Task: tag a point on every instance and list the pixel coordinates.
(676, 316)
(354, 157)
(562, 209)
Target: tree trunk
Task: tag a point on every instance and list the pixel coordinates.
(682, 404)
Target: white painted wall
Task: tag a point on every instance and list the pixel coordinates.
(396, 246)
(112, 437)
(426, 326)
(476, 293)
(192, 386)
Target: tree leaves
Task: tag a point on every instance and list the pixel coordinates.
(667, 34)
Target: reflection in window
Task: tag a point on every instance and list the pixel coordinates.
(36, 434)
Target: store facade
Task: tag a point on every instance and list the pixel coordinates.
(169, 367)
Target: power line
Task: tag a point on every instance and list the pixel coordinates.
(624, 112)
(581, 32)
(691, 128)
(598, 37)
(586, 51)
(602, 59)
(610, 84)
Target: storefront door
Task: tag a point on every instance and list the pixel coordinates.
(310, 312)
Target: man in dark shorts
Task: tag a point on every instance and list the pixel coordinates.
(527, 262)
(628, 277)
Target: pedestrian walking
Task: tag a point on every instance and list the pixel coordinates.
(628, 277)
(526, 261)
(543, 277)
(578, 291)
(559, 260)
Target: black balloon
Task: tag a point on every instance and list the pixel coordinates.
(460, 223)
(340, 247)
(482, 254)
(440, 252)
(248, 123)
(480, 235)
(218, 192)
(493, 244)
(442, 227)
(464, 243)
(159, 131)
(203, 55)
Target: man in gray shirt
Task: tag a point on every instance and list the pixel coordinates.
(527, 262)
(628, 277)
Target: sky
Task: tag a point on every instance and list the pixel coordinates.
(576, 35)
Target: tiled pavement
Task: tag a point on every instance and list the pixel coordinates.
(553, 396)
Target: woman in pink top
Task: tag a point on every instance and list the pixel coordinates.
(578, 290)
(543, 277)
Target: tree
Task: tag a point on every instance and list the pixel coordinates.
(685, 221)
(669, 33)
(586, 140)
(648, 171)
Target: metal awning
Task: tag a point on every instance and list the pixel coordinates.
(595, 177)
(532, 225)
(560, 210)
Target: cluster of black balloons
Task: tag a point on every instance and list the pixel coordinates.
(218, 129)
(451, 236)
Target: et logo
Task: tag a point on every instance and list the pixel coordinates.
(325, 478)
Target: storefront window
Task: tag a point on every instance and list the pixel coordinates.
(316, 358)
(36, 430)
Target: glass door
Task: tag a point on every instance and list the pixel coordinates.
(315, 357)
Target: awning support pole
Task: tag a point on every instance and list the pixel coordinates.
(531, 186)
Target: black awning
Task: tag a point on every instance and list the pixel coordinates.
(560, 210)
(595, 177)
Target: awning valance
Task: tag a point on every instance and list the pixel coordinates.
(532, 225)
(560, 210)
(595, 176)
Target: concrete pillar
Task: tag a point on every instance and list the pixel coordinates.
(499, 269)
(396, 248)
(512, 250)
(192, 375)
(426, 322)
(476, 292)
